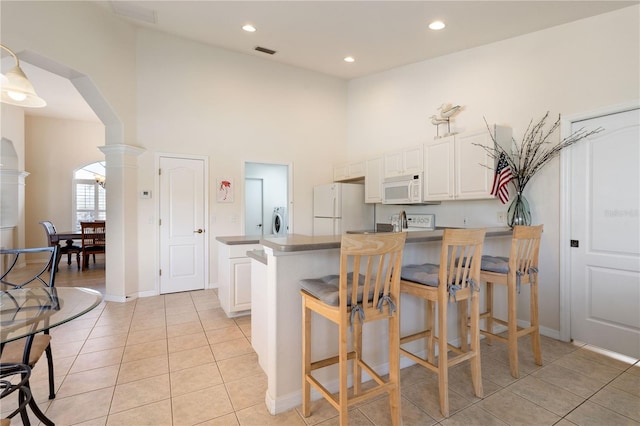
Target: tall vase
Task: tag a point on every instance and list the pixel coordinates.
(519, 212)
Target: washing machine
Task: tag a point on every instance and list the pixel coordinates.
(278, 224)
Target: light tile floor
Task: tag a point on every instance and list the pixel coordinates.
(177, 359)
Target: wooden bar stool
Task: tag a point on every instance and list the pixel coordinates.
(455, 280)
(340, 298)
(521, 267)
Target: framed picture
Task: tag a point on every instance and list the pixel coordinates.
(225, 190)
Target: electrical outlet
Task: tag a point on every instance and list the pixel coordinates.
(502, 217)
(465, 221)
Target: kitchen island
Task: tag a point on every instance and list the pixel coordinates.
(291, 258)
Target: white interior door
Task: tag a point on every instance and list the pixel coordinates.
(182, 224)
(254, 218)
(605, 234)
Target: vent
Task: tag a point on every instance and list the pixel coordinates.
(133, 11)
(265, 50)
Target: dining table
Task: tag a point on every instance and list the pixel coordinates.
(24, 312)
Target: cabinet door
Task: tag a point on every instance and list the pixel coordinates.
(412, 160)
(393, 164)
(438, 169)
(373, 180)
(474, 166)
(356, 170)
(348, 171)
(240, 284)
(407, 161)
(340, 172)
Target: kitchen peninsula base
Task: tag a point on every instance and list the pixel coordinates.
(294, 257)
(234, 274)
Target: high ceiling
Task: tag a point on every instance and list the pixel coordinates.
(317, 35)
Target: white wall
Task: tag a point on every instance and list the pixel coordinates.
(54, 149)
(567, 69)
(231, 107)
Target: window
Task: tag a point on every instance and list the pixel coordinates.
(90, 202)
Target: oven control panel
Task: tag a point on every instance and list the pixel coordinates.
(421, 220)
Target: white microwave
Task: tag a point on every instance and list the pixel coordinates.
(402, 190)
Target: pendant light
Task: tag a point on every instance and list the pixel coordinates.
(16, 87)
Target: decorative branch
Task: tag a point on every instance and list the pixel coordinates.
(535, 150)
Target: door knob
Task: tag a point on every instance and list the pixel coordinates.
(199, 231)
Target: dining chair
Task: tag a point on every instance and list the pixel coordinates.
(520, 268)
(67, 249)
(366, 289)
(15, 378)
(455, 280)
(93, 240)
(29, 350)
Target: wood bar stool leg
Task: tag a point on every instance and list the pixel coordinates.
(306, 356)
(357, 348)
(488, 301)
(512, 321)
(463, 332)
(343, 351)
(535, 323)
(443, 364)
(431, 321)
(394, 368)
(476, 372)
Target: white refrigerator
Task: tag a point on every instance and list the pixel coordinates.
(340, 207)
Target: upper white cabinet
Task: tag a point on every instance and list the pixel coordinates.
(407, 161)
(438, 183)
(373, 178)
(458, 169)
(348, 171)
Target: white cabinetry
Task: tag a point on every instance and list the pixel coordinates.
(438, 181)
(348, 171)
(456, 168)
(407, 161)
(373, 180)
(234, 278)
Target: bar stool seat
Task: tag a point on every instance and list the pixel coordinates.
(341, 299)
(520, 268)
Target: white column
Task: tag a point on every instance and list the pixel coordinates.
(122, 229)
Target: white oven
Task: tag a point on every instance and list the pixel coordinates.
(402, 190)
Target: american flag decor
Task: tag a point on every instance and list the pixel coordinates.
(501, 179)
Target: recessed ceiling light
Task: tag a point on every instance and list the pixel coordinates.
(249, 28)
(349, 59)
(436, 25)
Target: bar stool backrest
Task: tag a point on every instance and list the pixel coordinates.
(525, 247)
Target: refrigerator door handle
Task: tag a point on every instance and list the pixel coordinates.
(333, 206)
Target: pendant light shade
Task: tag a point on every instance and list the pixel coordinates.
(16, 87)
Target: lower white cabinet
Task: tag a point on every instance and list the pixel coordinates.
(234, 278)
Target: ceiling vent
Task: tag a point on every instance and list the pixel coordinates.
(134, 11)
(265, 50)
